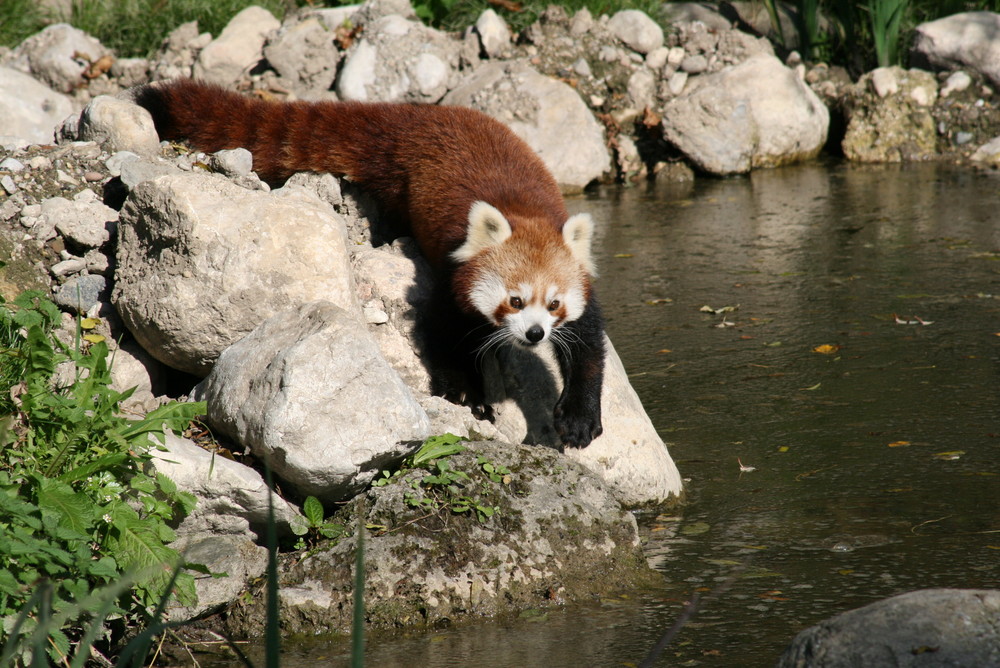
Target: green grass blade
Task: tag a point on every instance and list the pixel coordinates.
(358, 620)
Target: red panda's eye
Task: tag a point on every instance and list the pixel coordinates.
(554, 304)
(517, 303)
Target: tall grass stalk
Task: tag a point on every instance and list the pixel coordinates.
(886, 23)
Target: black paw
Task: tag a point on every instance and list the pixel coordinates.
(576, 428)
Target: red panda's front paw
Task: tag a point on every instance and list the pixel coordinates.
(576, 429)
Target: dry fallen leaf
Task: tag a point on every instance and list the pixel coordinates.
(898, 444)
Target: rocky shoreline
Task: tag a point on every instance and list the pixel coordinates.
(286, 310)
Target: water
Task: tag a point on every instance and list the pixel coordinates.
(869, 467)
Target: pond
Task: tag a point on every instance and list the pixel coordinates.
(820, 348)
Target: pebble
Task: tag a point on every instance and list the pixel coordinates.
(11, 165)
(7, 183)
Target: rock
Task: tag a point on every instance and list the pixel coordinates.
(119, 125)
(80, 293)
(755, 114)
(494, 34)
(546, 113)
(639, 32)
(232, 498)
(59, 56)
(931, 627)
(238, 48)
(83, 224)
(889, 116)
(988, 153)
(31, 111)
(556, 536)
(956, 83)
(309, 393)
(305, 55)
(399, 60)
(689, 12)
(238, 559)
(201, 262)
(967, 40)
(135, 369)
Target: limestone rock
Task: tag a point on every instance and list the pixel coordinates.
(119, 125)
(546, 113)
(237, 557)
(967, 40)
(309, 393)
(202, 261)
(494, 34)
(31, 111)
(59, 56)
(555, 536)
(238, 48)
(639, 32)
(756, 114)
(305, 55)
(232, 498)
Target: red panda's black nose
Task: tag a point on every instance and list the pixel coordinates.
(535, 333)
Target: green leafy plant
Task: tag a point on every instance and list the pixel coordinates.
(314, 525)
(79, 505)
(444, 488)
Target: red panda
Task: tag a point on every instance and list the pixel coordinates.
(481, 205)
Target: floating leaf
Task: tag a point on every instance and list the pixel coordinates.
(695, 529)
(812, 388)
(899, 444)
(663, 351)
(623, 255)
(826, 349)
(718, 311)
(783, 448)
(774, 344)
(949, 455)
(661, 300)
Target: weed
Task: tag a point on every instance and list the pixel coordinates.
(314, 525)
(79, 507)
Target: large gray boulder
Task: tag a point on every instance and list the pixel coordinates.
(966, 40)
(31, 111)
(755, 114)
(932, 627)
(309, 393)
(546, 113)
(201, 262)
(555, 535)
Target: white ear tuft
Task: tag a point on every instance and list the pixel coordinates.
(578, 232)
(487, 227)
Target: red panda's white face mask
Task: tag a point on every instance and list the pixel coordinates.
(529, 280)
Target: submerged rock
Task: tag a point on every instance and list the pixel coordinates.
(933, 627)
(554, 535)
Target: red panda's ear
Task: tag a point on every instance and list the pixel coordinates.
(577, 233)
(487, 227)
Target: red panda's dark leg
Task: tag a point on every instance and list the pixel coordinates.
(577, 415)
(452, 340)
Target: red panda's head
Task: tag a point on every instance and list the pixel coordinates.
(527, 279)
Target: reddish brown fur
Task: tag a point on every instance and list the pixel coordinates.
(425, 164)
